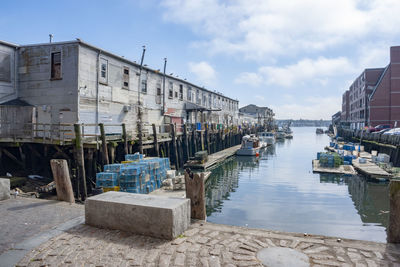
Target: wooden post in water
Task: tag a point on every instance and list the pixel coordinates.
(174, 148)
(155, 142)
(80, 158)
(194, 184)
(186, 143)
(125, 139)
(208, 140)
(103, 145)
(60, 171)
(202, 140)
(194, 139)
(393, 232)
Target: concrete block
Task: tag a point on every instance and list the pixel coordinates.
(149, 215)
(5, 189)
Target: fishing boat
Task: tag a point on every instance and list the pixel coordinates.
(250, 146)
(279, 135)
(319, 131)
(266, 138)
(288, 133)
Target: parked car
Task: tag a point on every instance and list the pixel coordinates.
(383, 126)
(371, 130)
(382, 131)
(393, 131)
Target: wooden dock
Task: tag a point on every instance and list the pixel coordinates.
(342, 169)
(213, 159)
(371, 170)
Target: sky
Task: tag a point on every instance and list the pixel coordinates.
(296, 57)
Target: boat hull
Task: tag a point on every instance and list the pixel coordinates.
(247, 151)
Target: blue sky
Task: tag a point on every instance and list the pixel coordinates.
(297, 57)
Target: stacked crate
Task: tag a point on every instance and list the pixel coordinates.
(135, 175)
(330, 160)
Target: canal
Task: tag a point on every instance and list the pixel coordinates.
(279, 191)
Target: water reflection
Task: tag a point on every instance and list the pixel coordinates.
(278, 191)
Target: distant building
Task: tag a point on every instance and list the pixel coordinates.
(359, 93)
(385, 98)
(336, 118)
(345, 106)
(260, 115)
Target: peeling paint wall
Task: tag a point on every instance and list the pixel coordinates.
(8, 86)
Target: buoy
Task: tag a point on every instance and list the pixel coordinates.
(257, 154)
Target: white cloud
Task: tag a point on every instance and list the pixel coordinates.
(203, 71)
(248, 78)
(264, 29)
(314, 108)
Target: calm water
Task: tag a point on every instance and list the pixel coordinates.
(279, 191)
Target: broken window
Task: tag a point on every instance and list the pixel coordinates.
(125, 78)
(144, 86)
(103, 70)
(170, 90)
(56, 65)
(189, 93)
(5, 67)
(180, 92)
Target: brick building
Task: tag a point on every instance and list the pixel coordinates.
(385, 98)
(358, 99)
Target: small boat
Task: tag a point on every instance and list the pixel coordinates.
(266, 138)
(288, 133)
(250, 146)
(280, 135)
(319, 131)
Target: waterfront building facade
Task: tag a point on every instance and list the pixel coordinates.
(76, 82)
(257, 115)
(385, 98)
(345, 106)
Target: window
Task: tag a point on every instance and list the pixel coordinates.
(56, 65)
(189, 93)
(176, 94)
(125, 78)
(103, 70)
(180, 92)
(198, 98)
(144, 86)
(158, 90)
(5, 67)
(209, 100)
(204, 99)
(158, 93)
(170, 90)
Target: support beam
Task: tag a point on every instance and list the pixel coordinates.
(125, 139)
(79, 156)
(13, 158)
(174, 147)
(156, 148)
(104, 145)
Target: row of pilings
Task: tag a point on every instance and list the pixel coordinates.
(85, 159)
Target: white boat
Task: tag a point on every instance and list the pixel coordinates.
(280, 134)
(250, 146)
(266, 138)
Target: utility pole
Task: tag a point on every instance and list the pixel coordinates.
(165, 67)
(139, 122)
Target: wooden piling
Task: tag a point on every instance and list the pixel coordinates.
(79, 157)
(62, 180)
(194, 184)
(103, 145)
(125, 139)
(174, 148)
(393, 232)
(194, 139)
(155, 142)
(186, 143)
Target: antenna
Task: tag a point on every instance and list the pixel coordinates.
(50, 37)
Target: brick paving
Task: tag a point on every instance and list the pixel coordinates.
(203, 244)
(21, 218)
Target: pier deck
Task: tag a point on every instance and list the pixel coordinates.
(342, 169)
(370, 170)
(213, 159)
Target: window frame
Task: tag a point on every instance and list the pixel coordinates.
(103, 80)
(52, 74)
(125, 77)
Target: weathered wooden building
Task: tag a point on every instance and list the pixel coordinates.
(75, 82)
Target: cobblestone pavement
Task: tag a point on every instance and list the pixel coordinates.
(22, 218)
(203, 244)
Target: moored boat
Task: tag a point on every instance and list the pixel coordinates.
(319, 131)
(267, 138)
(280, 135)
(250, 146)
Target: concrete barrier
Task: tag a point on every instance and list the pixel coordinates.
(154, 216)
(4, 188)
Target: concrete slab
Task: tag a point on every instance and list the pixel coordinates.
(282, 257)
(4, 188)
(154, 216)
